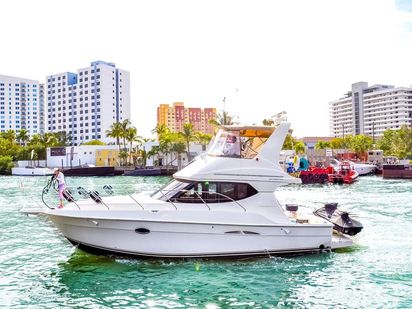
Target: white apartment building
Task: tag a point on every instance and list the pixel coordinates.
(21, 105)
(370, 110)
(86, 104)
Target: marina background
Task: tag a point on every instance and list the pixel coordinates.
(41, 269)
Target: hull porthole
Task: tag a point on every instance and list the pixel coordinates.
(142, 230)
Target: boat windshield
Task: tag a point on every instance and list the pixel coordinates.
(239, 142)
(170, 189)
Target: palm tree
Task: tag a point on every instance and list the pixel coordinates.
(23, 136)
(188, 135)
(178, 147)
(115, 131)
(222, 119)
(203, 138)
(9, 135)
(160, 130)
(131, 136)
(63, 138)
(125, 125)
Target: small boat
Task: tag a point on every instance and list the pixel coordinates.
(31, 171)
(222, 204)
(92, 171)
(343, 173)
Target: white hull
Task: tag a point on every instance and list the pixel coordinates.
(174, 239)
(36, 171)
(364, 169)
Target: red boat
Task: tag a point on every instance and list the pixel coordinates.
(344, 174)
(316, 174)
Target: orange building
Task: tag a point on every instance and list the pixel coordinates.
(174, 117)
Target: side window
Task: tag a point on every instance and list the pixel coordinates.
(213, 192)
(229, 190)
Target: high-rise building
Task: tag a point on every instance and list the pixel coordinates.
(370, 110)
(174, 117)
(86, 104)
(21, 105)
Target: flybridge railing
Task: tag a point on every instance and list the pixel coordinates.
(190, 199)
(171, 196)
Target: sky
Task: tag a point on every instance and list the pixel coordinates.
(264, 57)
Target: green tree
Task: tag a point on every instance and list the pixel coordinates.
(6, 164)
(115, 131)
(94, 142)
(178, 147)
(299, 147)
(23, 136)
(222, 119)
(188, 134)
(9, 135)
(160, 130)
(360, 144)
(131, 136)
(125, 125)
(322, 145)
(63, 138)
(403, 142)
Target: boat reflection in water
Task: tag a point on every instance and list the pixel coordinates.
(222, 204)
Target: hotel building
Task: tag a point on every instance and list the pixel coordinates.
(174, 117)
(21, 105)
(370, 110)
(86, 104)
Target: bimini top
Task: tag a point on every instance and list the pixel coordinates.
(251, 131)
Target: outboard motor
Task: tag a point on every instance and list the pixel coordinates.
(341, 220)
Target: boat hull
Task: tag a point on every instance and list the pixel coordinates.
(38, 171)
(184, 239)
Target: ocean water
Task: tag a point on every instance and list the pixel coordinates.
(40, 269)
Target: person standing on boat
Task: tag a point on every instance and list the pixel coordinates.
(59, 176)
(232, 146)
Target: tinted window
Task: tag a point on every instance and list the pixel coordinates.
(213, 192)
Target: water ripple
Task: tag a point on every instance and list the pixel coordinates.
(39, 268)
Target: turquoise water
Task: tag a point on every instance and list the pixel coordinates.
(39, 268)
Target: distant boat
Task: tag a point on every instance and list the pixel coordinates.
(360, 168)
(344, 173)
(144, 172)
(89, 170)
(31, 171)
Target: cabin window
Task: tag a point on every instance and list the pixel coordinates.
(212, 192)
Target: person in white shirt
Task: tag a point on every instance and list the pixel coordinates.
(58, 175)
(232, 146)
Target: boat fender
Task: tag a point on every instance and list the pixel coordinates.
(67, 194)
(95, 196)
(108, 189)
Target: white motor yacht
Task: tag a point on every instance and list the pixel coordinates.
(222, 204)
(31, 171)
(360, 168)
